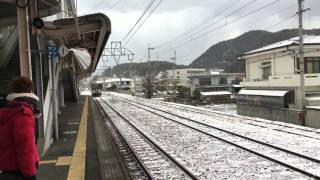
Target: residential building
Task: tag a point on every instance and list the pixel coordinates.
(273, 77)
(181, 76)
(118, 83)
(209, 81)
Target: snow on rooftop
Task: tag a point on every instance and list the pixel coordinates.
(237, 86)
(263, 92)
(313, 107)
(316, 98)
(215, 93)
(308, 39)
(117, 79)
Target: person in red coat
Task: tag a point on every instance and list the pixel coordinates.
(18, 151)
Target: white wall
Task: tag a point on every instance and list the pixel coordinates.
(254, 70)
(182, 75)
(283, 66)
(282, 63)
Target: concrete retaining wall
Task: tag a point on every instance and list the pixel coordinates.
(313, 118)
(275, 114)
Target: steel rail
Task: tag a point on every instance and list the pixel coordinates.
(182, 167)
(220, 114)
(145, 171)
(246, 118)
(238, 135)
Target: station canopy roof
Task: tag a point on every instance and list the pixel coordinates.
(90, 32)
(263, 92)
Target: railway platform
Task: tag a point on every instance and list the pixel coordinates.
(84, 149)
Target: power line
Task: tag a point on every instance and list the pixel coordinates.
(129, 38)
(101, 1)
(203, 21)
(281, 21)
(114, 5)
(282, 11)
(221, 19)
(96, 5)
(219, 27)
(141, 16)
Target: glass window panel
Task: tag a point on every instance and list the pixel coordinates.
(309, 68)
(316, 67)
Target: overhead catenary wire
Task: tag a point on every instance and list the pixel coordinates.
(200, 29)
(139, 19)
(152, 11)
(114, 5)
(101, 1)
(281, 21)
(224, 25)
(203, 21)
(97, 4)
(278, 13)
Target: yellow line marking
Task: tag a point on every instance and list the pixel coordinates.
(48, 162)
(78, 164)
(64, 161)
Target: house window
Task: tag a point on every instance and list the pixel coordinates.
(311, 65)
(223, 80)
(205, 81)
(266, 70)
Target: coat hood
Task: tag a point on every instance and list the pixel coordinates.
(11, 109)
(29, 98)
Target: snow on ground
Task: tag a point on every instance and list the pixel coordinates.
(308, 146)
(225, 108)
(208, 157)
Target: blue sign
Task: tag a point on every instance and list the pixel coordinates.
(52, 52)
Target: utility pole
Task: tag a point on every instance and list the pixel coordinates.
(174, 59)
(149, 90)
(301, 57)
(132, 73)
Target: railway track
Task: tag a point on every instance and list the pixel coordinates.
(306, 165)
(131, 163)
(153, 160)
(278, 126)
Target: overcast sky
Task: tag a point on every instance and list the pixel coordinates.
(173, 18)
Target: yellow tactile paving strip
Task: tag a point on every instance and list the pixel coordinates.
(77, 166)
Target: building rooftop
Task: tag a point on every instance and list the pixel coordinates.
(117, 79)
(307, 40)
